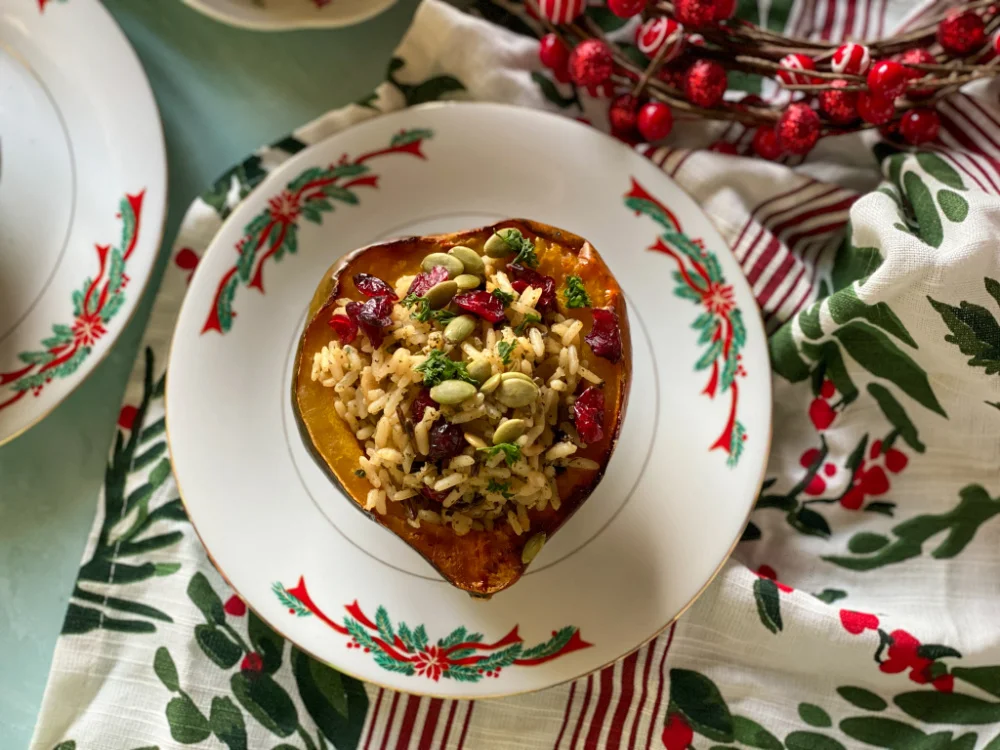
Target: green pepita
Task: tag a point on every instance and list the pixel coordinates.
(467, 282)
(450, 263)
(480, 369)
(490, 385)
(471, 260)
(459, 328)
(532, 547)
(509, 431)
(516, 376)
(515, 393)
(496, 246)
(452, 392)
(440, 294)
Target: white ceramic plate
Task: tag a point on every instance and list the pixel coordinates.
(278, 15)
(82, 197)
(663, 520)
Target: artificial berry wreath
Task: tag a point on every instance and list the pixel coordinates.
(685, 50)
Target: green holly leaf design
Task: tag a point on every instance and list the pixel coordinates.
(845, 306)
(953, 206)
(939, 169)
(814, 716)
(924, 210)
(875, 351)
(200, 592)
(546, 648)
(410, 136)
(935, 651)
(853, 263)
(862, 698)
(984, 678)
(166, 670)
(265, 642)
(217, 646)
(831, 362)
(226, 722)
(765, 592)
(811, 741)
(974, 330)
(882, 732)
(933, 707)
(864, 542)
(337, 703)
(809, 522)
(188, 725)
(750, 733)
(266, 701)
(785, 355)
(829, 596)
(433, 89)
(751, 533)
(701, 703)
(896, 415)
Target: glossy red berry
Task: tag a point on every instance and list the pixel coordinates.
(840, 107)
(553, 52)
(916, 56)
(798, 129)
(623, 114)
(961, 32)
(765, 143)
(590, 63)
(626, 8)
(724, 9)
(851, 58)
(887, 79)
(656, 120)
(875, 109)
(705, 83)
(920, 126)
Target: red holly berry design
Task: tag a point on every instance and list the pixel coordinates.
(126, 417)
(866, 482)
(821, 413)
(252, 663)
(234, 606)
(766, 571)
(817, 485)
(677, 735)
(857, 622)
(902, 656)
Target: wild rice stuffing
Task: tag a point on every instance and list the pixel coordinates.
(464, 420)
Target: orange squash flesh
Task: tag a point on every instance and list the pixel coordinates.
(480, 562)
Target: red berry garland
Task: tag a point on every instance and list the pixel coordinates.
(765, 143)
(874, 109)
(623, 114)
(657, 33)
(655, 121)
(840, 107)
(852, 59)
(724, 9)
(799, 62)
(626, 8)
(552, 52)
(696, 13)
(961, 32)
(561, 11)
(591, 63)
(798, 129)
(887, 79)
(705, 83)
(920, 126)
(916, 57)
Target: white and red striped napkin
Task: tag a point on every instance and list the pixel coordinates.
(880, 287)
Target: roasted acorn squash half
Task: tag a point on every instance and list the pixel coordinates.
(477, 497)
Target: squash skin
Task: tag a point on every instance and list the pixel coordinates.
(480, 562)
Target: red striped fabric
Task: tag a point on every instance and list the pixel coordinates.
(430, 724)
(660, 683)
(625, 698)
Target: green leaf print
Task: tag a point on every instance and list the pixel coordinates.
(953, 206)
(986, 679)
(809, 522)
(750, 733)
(831, 365)
(814, 716)
(200, 592)
(699, 700)
(933, 707)
(853, 263)
(865, 541)
(166, 670)
(785, 355)
(896, 415)
(829, 596)
(217, 646)
(876, 352)
(265, 642)
(266, 701)
(765, 593)
(974, 330)
(188, 725)
(862, 698)
(67, 745)
(939, 169)
(882, 732)
(336, 702)
(429, 90)
(811, 741)
(226, 722)
(845, 306)
(924, 210)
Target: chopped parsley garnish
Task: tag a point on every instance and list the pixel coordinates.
(505, 349)
(423, 311)
(359, 472)
(500, 488)
(576, 293)
(438, 367)
(528, 319)
(523, 248)
(511, 452)
(503, 296)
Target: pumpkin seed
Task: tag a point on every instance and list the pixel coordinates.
(451, 392)
(516, 376)
(479, 368)
(467, 281)
(440, 294)
(450, 263)
(496, 246)
(474, 440)
(459, 328)
(490, 385)
(510, 431)
(515, 393)
(532, 547)
(470, 259)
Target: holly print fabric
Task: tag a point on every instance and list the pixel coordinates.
(858, 610)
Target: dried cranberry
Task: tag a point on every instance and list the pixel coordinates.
(481, 303)
(353, 308)
(437, 497)
(447, 441)
(346, 329)
(421, 404)
(525, 277)
(373, 317)
(422, 282)
(588, 415)
(373, 286)
(605, 338)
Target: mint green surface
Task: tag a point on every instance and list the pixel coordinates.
(222, 92)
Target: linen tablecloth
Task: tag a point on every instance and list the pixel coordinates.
(861, 608)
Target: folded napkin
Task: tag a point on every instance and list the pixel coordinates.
(860, 609)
